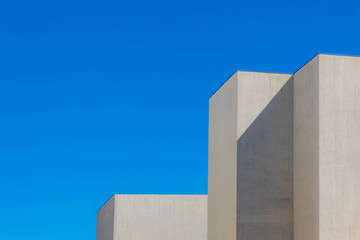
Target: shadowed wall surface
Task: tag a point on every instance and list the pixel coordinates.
(265, 167)
(105, 221)
(250, 158)
(306, 152)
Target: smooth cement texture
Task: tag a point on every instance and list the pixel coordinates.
(153, 217)
(250, 158)
(327, 148)
(283, 164)
(306, 155)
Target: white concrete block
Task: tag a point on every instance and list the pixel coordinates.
(327, 149)
(153, 217)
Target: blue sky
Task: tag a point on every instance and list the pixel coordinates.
(103, 97)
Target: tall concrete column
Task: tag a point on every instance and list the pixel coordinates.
(250, 194)
(222, 161)
(306, 151)
(327, 149)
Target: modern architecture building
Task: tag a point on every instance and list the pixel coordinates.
(283, 164)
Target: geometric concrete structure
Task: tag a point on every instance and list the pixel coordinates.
(284, 164)
(153, 217)
(284, 154)
(327, 149)
(250, 189)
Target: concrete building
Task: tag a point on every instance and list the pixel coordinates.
(250, 158)
(283, 163)
(153, 217)
(327, 149)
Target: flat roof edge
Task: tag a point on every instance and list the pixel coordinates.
(160, 194)
(247, 71)
(338, 55)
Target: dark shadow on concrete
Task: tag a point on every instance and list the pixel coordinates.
(265, 172)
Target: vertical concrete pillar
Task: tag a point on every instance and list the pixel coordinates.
(326, 149)
(222, 161)
(339, 147)
(306, 151)
(250, 158)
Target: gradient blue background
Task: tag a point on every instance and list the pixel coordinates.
(103, 97)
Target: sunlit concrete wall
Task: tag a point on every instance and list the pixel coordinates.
(250, 158)
(339, 147)
(153, 217)
(222, 161)
(327, 149)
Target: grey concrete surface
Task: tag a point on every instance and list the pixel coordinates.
(306, 151)
(327, 149)
(222, 161)
(265, 157)
(106, 221)
(250, 158)
(339, 147)
(155, 217)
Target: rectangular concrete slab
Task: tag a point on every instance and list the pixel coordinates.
(222, 161)
(339, 147)
(326, 149)
(154, 217)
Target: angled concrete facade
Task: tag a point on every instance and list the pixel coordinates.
(250, 158)
(283, 164)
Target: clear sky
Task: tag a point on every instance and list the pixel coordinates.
(103, 97)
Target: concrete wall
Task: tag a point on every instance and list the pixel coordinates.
(222, 161)
(339, 147)
(306, 151)
(156, 217)
(250, 158)
(265, 157)
(326, 149)
(105, 220)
